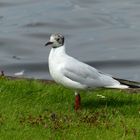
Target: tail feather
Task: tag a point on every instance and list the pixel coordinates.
(118, 86)
(130, 84)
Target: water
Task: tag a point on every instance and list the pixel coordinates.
(104, 34)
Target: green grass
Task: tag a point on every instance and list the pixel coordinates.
(31, 110)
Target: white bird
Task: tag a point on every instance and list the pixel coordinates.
(19, 73)
(72, 73)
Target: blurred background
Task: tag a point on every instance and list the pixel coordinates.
(102, 33)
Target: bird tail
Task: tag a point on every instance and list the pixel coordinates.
(119, 86)
(127, 83)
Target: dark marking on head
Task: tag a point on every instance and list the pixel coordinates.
(56, 40)
(60, 38)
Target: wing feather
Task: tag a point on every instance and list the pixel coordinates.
(86, 75)
(82, 73)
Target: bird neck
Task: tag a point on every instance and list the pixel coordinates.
(60, 50)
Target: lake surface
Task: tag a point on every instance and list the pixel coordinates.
(102, 33)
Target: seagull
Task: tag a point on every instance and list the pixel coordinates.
(74, 74)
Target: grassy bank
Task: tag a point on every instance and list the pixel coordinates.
(32, 110)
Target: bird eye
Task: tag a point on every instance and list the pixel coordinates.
(58, 39)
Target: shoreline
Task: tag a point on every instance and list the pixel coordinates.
(46, 81)
(25, 78)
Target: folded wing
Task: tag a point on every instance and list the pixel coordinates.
(87, 75)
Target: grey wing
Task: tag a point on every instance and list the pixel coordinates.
(82, 73)
(87, 75)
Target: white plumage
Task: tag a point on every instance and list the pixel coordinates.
(72, 73)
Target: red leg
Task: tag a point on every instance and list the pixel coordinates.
(77, 101)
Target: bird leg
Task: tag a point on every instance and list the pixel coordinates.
(77, 101)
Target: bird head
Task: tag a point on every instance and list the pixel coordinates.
(56, 40)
